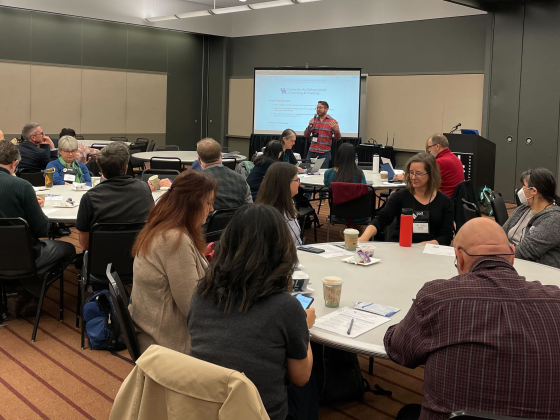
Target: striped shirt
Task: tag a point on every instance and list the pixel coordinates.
(490, 341)
(324, 134)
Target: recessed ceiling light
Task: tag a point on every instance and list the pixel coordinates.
(274, 3)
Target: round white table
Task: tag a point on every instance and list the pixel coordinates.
(374, 180)
(68, 215)
(187, 157)
(394, 281)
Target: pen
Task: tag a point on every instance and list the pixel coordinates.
(350, 327)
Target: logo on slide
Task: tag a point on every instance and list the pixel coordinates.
(283, 91)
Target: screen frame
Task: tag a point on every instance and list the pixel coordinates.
(305, 297)
(255, 69)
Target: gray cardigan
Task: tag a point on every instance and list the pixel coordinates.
(541, 241)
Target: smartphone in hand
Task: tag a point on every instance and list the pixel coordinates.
(304, 300)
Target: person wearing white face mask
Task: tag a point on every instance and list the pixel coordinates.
(534, 227)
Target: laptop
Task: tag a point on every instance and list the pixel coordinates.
(390, 173)
(312, 168)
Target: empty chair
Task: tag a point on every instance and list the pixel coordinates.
(159, 162)
(230, 163)
(136, 164)
(98, 146)
(357, 208)
(37, 179)
(151, 146)
(120, 303)
(171, 174)
(168, 148)
(217, 222)
(142, 143)
(79, 137)
(499, 208)
(470, 210)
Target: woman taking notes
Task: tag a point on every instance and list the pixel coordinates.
(67, 169)
(169, 261)
(242, 315)
(432, 209)
(534, 227)
(280, 184)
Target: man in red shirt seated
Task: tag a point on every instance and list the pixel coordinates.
(450, 166)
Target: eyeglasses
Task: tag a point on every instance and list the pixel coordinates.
(69, 151)
(42, 133)
(320, 107)
(417, 174)
(481, 255)
(296, 180)
(428, 147)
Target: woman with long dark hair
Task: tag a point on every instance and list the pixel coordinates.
(271, 154)
(168, 261)
(280, 184)
(242, 315)
(345, 169)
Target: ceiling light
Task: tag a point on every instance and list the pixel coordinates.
(274, 3)
(233, 9)
(306, 1)
(193, 14)
(160, 18)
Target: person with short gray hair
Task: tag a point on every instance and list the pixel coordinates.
(67, 169)
(35, 149)
(18, 199)
(119, 198)
(450, 167)
(233, 191)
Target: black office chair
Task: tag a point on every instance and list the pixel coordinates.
(167, 148)
(471, 210)
(517, 200)
(17, 262)
(98, 146)
(120, 303)
(499, 207)
(161, 173)
(359, 208)
(136, 164)
(108, 243)
(142, 143)
(37, 179)
(476, 415)
(151, 146)
(305, 214)
(216, 224)
(159, 162)
(79, 137)
(230, 163)
(119, 139)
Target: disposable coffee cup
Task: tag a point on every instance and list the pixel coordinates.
(155, 182)
(43, 196)
(384, 175)
(332, 290)
(95, 180)
(351, 239)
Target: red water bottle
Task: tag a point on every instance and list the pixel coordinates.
(405, 237)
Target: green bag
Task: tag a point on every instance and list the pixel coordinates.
(486, 197)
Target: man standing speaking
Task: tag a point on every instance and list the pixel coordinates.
(322, 127)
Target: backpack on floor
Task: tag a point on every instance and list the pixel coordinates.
(101, 323)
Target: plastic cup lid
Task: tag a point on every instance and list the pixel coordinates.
(332, 280)
(351, 231)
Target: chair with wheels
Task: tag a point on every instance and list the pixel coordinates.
(173, 163)
(171, 174)
(167, 148)
(108, 243)
(37, 179)
(217, 222)
(347, 212)
(230, 163)
(17, 262)
(120, 303)
(499, 206)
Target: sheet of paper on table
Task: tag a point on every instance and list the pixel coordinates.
(49, 210)
(376, 308)
(332, 251)
(339, 321)
(447, 251)
(53, 197)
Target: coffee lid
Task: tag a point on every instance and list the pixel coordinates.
(332, 280)
(153, 178)
(352, 231)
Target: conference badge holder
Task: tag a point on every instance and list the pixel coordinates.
(421, 223)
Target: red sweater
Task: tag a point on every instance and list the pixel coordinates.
(451, 170)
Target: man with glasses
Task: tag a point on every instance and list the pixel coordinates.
(323, 128)
(488, 338)
(450, 167)
(36, 148)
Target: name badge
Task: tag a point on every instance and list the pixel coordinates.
(421, 223)
(69, 175)
(314, 138)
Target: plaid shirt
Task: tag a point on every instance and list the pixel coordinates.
(490, 341)
(324, 134)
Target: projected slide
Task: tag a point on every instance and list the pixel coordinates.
(288, 98)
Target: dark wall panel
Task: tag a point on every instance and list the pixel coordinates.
(432, 46)
(15, 41)
(504, 95)
(56, 39)
(217, 85)
(147, 49)
(104, 44)
(184, 90)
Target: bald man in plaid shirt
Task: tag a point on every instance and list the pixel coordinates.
(323, 128)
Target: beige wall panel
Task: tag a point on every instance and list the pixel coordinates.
(463, 101)
(146, 103)
(384, 109)
(240, 120)
(56, 98)
(103, 101)
(15, 96)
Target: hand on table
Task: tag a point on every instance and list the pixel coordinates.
(299, 169)
(430, 242)
(310, 317)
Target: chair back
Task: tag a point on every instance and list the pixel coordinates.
(98, 146)
(151, 146)
(161, 173)
(470, 210)
(37, 179)
(112, 243)
(79, 138)
(517, 200)
(142, 143)
(135, 162)
(158, 162)
(120, 303)
(477, 415)
(217, 222)
(499, 207)
(167, 148)
(358, 208)
(16, 249)
(464, 190)
(230, 163)
(119, 139)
